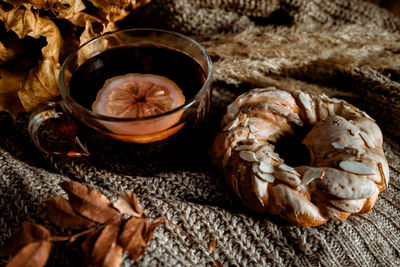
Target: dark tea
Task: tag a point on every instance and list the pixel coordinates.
(129, 99)
(90, 77)
(176, 66)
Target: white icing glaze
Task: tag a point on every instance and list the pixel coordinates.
(349, 205)
(287, 197)
(354, 131)
(352, 139)
(343, 184)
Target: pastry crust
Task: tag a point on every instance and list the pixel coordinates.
(347, 169)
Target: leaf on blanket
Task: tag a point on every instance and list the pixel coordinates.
(27, 233)
(113, 257)
(128, 204)
(213, 244)
(149, 233)
(90, 203)
(132, 239)
(103, 247)
(218, 263)
(61, 213)
(87, 246)
(33, 254)
(106, 233)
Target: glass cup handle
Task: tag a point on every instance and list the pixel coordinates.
(46, 111)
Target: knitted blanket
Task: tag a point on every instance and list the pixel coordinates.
(346, 49)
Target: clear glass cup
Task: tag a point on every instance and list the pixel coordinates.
(71, 128)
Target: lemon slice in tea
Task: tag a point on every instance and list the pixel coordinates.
(137, 96)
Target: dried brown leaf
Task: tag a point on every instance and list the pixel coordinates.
(116, 10)
(27, 22)
(150, 231)
(10, 83)
(41, 82)
(90, 203)
(6, 53)
(33, 254)
(87, 246)
(218, 263)
(27, 233)
(128, 204)
(79, 19)
(60, 8)
(104, 243)
(61, 213)
(132, 237)
(213, 244)
(158, 221)
(87, 35)
(113, 257)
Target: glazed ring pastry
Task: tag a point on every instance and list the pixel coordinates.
(347, 170)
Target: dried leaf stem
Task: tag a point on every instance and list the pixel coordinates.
(105, 232)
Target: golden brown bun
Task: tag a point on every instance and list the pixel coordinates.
(347, 169)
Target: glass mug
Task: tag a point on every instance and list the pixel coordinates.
(71, 128)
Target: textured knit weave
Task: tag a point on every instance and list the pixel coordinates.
(306, 44)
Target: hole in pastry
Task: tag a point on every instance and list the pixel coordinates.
(290, 148)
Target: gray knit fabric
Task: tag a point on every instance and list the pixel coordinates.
(309, 45)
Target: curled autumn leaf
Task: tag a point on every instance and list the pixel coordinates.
(129, 204)
(41, 82)
(105, 236)
(58, 8)
(132, 238)
(87, 246)
(106, 246)
(218, 263)
(113, 257)
(90, 203)
(8, 53)
(33, 254)
(213, 244)
(10, 84)
(43, 20)
(27, 233)
(116, 10)
(61, 213)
